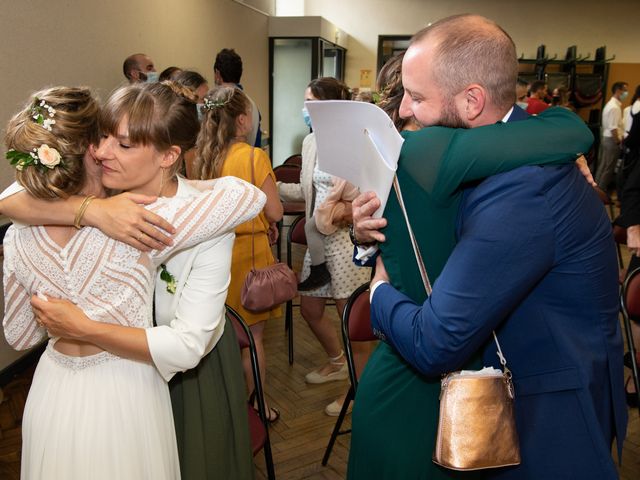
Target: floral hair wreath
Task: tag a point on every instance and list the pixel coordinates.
(43, 157)
(43, 114)
(213, 104)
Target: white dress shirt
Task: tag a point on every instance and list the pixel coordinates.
(612, 119)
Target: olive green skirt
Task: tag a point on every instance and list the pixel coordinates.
(210, 414)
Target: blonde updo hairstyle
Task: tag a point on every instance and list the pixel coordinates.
(75, 128)
(159, 114)
(223, 105)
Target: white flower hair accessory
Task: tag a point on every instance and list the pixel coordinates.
(44, 157)
(213, 104)
(43, 114)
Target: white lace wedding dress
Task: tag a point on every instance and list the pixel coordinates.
(103, 416)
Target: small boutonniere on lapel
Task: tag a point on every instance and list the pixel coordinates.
(168, 277)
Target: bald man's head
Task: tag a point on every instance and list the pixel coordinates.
(137, 66)
(471, 49)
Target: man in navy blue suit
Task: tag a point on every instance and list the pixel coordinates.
(534, 262)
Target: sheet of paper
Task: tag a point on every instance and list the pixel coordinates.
(356, 141)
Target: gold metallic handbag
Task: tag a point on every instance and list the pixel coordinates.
(477, 427)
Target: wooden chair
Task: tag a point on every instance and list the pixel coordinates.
(258, 422)
(630, 306)
(356, 327)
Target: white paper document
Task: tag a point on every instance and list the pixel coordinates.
(356, 141)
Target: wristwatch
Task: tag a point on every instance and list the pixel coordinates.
(354, 240)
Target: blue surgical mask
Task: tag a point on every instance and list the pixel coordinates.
(152, 77)
(522, 105)
(306, 117)
(623, 96)
(200, 108)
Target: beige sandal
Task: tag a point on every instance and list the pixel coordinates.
(315, 377)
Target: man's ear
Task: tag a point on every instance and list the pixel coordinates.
(473, 98)
(171, 156)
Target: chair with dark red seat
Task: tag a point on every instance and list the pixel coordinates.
(258, 421)
(630, 306)
(287, 173)
(620, 236)
(294, 160)
(295, 235)
(356, 327)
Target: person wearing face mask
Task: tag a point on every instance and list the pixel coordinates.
(344, 277)
(612, 134)
(139, 68)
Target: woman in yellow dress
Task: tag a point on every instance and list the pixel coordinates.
(222, 150)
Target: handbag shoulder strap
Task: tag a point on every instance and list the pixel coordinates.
(414, 243)
(423, 270)
(253, 240)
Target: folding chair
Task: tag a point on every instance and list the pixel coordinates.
(356, 327)
(630, 306)
(287, 173)
(294, 235)
(620, 236)
(607, 201)
(294, 160)
(258, 422)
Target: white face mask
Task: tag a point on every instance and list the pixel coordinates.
(623, 96)
(152, 77)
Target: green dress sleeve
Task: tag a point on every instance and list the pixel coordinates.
(441, 159)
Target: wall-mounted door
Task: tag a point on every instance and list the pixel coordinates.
(294, 62)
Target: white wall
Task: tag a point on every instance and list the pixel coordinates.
(588, 24)
(84, 42)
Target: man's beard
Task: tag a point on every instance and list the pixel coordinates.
(450, 117)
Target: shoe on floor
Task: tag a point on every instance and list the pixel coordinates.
(315, 377)
(318, 277)
(333, 409)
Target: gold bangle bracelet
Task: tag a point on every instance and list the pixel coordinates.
(80, 213)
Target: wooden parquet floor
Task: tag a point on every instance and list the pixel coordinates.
(300, 437)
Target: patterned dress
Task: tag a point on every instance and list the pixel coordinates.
(103, 416)
(338, 251)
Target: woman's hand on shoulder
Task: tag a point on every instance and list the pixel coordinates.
(124, 218)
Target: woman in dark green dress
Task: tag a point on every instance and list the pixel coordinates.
(396, 409)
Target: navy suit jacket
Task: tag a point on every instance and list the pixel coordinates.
(535, 261)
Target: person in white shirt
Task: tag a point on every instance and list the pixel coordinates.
(612, 134)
